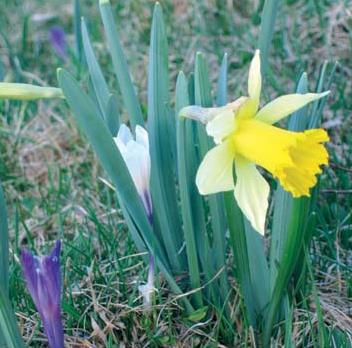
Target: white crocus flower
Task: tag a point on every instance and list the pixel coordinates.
(135, 153)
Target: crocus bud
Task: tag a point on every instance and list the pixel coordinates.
(137, 158)
(43, 279)
(57, 38)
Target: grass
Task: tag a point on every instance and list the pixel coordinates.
(53, 184)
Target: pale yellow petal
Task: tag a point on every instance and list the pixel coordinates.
(198, 113)
(251, 193)
(215, 172)
(286, 105)
(221, 126)
(255, 80)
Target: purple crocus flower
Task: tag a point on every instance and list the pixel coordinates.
(43, 279)
(57, 38)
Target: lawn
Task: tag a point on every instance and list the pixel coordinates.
(56, 188)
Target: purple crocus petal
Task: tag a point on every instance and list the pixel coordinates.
(43, 281)
(57, 38)
(148, 205)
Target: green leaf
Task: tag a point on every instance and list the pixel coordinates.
(216, 203)
(290, 256)
(120, 65)
(8, 326)
(4, 244)
(77, 30)
(161, 127)
(222, 83)
(240, 253)
(267, 27)
(89, 121)
(98, 81)
(112, 115)
(198, 315)
(283, 199)
(185, 187)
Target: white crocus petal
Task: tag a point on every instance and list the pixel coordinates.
(251, 193)
(142, 137)
(137, 158)
(255, 81)
(221, 126)
(138, 163)
(286, 105)
(124, 134)
(215, 172)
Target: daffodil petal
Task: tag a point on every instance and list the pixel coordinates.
(215, 172)
(198, 113)
(286, 105)
(221, 126)
(251, 193)
(255, 80)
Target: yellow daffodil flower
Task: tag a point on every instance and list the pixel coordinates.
(245, 137)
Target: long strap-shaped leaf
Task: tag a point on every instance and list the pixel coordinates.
(98, 81)
(291, 254)
(161, 128)
(216, 204)
(9, 334)
(240, 254)
(88, 119)
(185, 187)
(4, 245)
(267, 30)
(8, 326)
(120, 65)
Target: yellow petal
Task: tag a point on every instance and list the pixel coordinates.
(215, 172)
(255, 81)
(286, 105)
(251, 193)
(22, 91)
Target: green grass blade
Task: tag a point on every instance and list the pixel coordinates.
(8, 326)
(160, 124)
(120, 65)
(4, 244)
(267, 26)
(185, 187)
(98, 81)
(86, 116)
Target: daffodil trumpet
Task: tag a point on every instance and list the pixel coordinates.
(246, 138)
